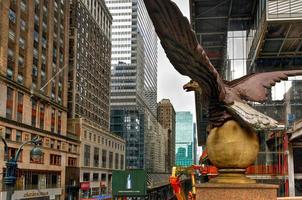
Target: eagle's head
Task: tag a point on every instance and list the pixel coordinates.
(191, 86)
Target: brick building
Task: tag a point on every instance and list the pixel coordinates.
(33, 81)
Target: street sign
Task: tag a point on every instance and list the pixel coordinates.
(129, 183)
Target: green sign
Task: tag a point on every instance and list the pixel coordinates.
(129, 183)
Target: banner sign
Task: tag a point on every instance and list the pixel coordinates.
(129, 183)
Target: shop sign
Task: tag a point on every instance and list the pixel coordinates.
(85, 186)
(35, 194)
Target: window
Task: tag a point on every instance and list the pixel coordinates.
(96, 157)
(42, 109)
(122, 162)
(95, 176)
(11, 34)
(19, 136)
(52, 144)
(55, 159)
(72, 162)
(86, 176)
(22, 24)
(116, 160)
(20, 107)
(104, 158)
(12, 153)
(23, 5)
(12, 16)
(9, 103)
(33, 112)
(52, 121)
(21, 43)
(8, 134)
(110, 160)
(86, 155)
(59, 122)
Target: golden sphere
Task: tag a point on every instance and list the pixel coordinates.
(232, 147)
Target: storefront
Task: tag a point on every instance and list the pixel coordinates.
(44, 194)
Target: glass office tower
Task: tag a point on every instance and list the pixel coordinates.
(184, 139)
(133, 75)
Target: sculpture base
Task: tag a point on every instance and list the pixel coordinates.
(232, 176)
(212, 191)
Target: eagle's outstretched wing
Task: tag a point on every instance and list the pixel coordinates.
(253, 87)
(182, 48)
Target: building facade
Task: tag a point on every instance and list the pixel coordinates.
(101, 152)
(133, 76)
(89, 73)
(34, 59)
(166, 117)
(184, 144)
(89, 97)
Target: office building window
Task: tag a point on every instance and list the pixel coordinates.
(19, 136)
(110, 160)
(33, 112)
(104, 158)
(42, 110)
(9, 103)
(122, 162)
(116, 160)
(96, 157)
(95, 177)
(53, 120)
(8, 133)
(86, 155)
(12, 15)
(55, 159)
(20, 107)
(86, 176)
(59, 122)
(72, 162)
(12, 153)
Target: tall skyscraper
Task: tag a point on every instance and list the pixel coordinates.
(34, 60)
(166, 117)
(89, 73)
(133, 77)
(134, 55)
(184, 139)
(89, 95)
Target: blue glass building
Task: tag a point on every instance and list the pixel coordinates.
(184, 139)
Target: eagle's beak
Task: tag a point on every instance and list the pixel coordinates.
(188, 87)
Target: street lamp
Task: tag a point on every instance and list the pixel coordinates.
(11, 164)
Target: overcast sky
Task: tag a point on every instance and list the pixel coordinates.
(170, 82)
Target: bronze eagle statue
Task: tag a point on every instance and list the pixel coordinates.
(225, 100)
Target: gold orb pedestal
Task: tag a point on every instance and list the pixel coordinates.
(232, 148)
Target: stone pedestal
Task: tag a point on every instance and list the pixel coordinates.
(212, 191)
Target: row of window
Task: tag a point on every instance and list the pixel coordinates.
(20, 136)
(14, 111)
(95, 177)
(109, 143)
(53, 158)
(105, 158)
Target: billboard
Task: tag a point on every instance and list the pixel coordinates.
(129, 183)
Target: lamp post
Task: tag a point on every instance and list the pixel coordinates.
(11, 164)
